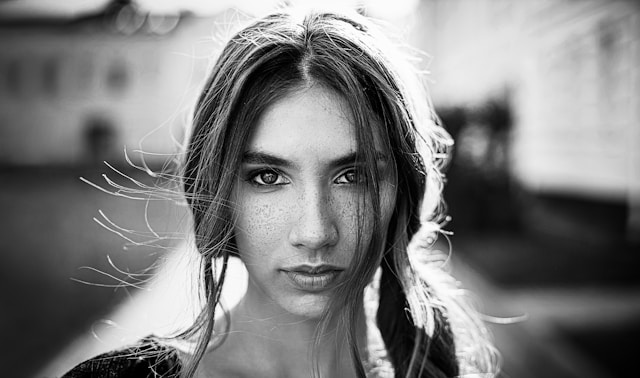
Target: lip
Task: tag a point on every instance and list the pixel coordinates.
(313, 278)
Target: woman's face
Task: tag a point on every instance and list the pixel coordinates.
(297, 200)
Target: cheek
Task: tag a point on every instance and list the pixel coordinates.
(352, 206)
(260, 224)
(346, 210)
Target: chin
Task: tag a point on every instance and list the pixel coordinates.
(309, 306)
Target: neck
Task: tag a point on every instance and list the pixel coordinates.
(264, 338)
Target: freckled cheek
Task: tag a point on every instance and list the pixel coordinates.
(345, 210)
(261, 225)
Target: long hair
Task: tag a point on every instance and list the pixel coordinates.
(270, 59)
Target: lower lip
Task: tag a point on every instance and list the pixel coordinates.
(313, 282)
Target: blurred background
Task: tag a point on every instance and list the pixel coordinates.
(542, 97)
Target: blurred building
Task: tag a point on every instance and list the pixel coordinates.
(78, 90)
(569, 71)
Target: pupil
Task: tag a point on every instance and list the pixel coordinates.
(269, 178)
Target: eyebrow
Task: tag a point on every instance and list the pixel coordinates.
(254, 157)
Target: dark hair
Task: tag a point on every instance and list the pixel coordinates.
(272, 58)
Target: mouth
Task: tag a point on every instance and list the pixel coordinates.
(313, 278)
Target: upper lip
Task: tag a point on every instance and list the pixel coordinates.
(313, 269)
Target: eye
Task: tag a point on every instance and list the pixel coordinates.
(350, 177)
(267, 177)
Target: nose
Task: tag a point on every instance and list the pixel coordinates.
(315, 228)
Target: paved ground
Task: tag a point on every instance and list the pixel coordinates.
(541, 345)
(582, 303)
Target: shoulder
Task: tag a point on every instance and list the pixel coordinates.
(146, 359)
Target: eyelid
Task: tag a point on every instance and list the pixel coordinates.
(357, 169)
(252, 174)
(361, 169)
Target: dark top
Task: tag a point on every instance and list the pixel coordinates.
(147, 359)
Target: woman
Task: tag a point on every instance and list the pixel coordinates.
(315, 160)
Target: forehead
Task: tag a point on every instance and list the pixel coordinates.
(309, 122)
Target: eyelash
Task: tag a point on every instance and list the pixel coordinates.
(359, 176)
(254, 176)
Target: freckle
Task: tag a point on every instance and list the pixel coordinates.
(263, 218)
(264, 210)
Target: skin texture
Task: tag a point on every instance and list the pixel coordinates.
(300, 210)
